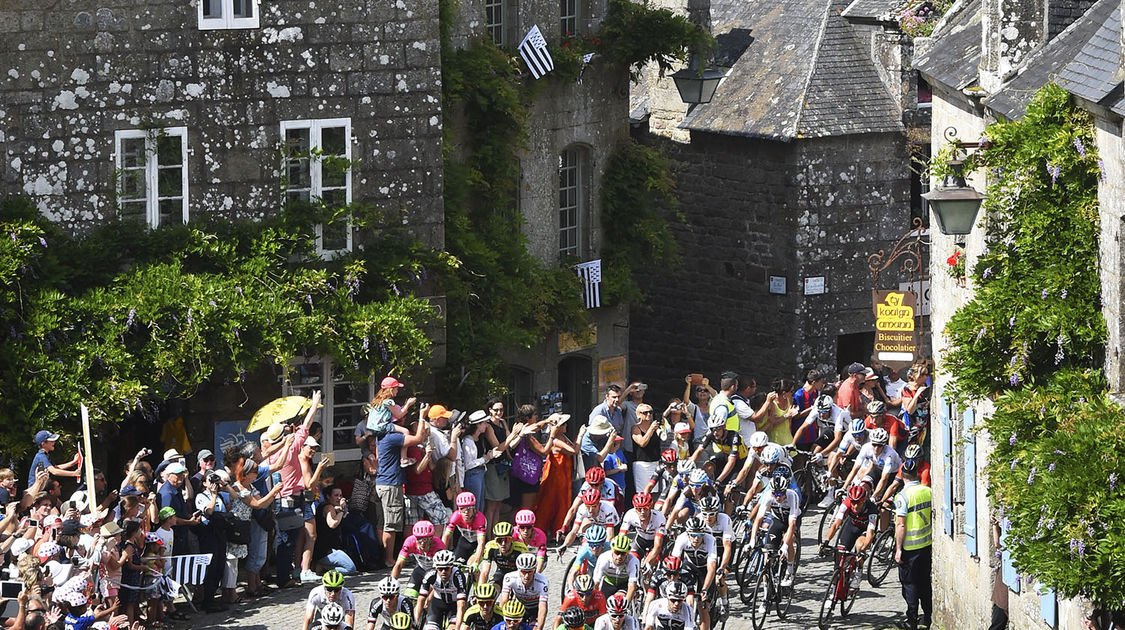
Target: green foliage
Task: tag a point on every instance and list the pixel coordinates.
(125, 315)
(918, 19)
(634, 34)
(638, 192)
(1037, 303)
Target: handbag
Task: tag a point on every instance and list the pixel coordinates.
(527, 465)
(289, 519)
(265, 519)
(238, 531)
(362, 490)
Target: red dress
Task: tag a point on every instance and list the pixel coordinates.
(554, 492)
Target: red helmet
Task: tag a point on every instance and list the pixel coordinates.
(668, 456)
(616, 603)
(672, 563)
(857, 495)
(590, 496)
(642, 500)
(595, 476)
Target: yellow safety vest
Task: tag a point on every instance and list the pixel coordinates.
(732, 415)
(919, 521)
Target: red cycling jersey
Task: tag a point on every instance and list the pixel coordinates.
(593, 609)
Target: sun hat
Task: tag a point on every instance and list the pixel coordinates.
(600, 425)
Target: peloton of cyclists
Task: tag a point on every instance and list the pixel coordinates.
(697, 551)
(528, 587)
(330, 591)
(782, 507)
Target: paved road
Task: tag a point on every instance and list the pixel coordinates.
(875, 608)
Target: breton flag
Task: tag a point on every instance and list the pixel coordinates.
(533, 50)
(591, 275)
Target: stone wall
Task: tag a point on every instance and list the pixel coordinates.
(1111, 207)
(74, 71)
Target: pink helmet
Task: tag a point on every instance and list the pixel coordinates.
(423, 529)
(466, 499)
(525, 517)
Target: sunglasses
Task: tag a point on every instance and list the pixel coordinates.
(696, 535)
(616, 615)
(710, 514)
(332, 589)
(527, 527)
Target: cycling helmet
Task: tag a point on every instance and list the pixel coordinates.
(574, 617)
(620, 543)
(783, 471)
(526, 562)
(616, 604)
(685, 466)
(910, 466)
(772, 454)
(710, 503)
(698, 477)
(512, 609)
(591, 496)
(583, 584)
(716, 422)
(913, 433)
(694, 525)
(388, 586)
(859, 427)
(677, 590)
(466, 499)
(503, 529)
(824, 403)
(879, 437)
(444, 558)
(400, 621)
(423, 529)
(595, 476)
(642, 500)
(672, 563)
(332, 614)
(876, 408)
(913, 451)
(595, 535)
(857, 495)
(779, 484)
(525, 517)
(759, 439)
(486, 592)
(333, 579)
(668, 456)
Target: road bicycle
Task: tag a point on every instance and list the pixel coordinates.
(717, 607)
(839, 586)
(882, 556)
(767, 590)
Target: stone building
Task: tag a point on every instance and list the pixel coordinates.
(985, 62)
(794, 173)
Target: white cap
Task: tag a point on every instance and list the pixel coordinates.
(311, 441)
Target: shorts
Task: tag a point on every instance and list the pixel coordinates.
(641, 547)
(416, 578)
(776, 531)
(518, 487)
(464, 548)
(719, 461)
(824, 439)
(394, 507)
(437, 613)
(849, 533)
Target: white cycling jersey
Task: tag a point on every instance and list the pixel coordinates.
(721, 529)
(318, 598)
(632, 522)
(660, 617)
(616, 574)
(606, 515)
(888, 461)
(849, 441)
(529, 596)
(698, 557)
(790, 507)
(605, 622)
(837, 420)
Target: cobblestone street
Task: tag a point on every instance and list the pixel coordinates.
(874, 609)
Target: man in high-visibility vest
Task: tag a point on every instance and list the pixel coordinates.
(913, 546)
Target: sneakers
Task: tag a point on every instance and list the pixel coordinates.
(787, 581)
(826, 501)
(309, 576)
(856, 577)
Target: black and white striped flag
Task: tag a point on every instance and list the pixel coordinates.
(533, 50)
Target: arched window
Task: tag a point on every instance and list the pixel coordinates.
(574, 193)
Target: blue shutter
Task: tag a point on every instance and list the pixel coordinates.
(970, 440)
(1049, 607)
(1007, 571)
(944, 410)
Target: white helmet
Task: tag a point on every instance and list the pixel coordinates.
(716, 422)
(444, 558)
(759, 439)
(388, 586)
(698, 476)
(685, 466)
(824, 403)
(332, 614)
(879, 437)
(772, 454)
(526, 562)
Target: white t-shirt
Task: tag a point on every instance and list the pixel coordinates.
(839, 420)
(849, 441)
(530, 596)
(165, 536)
(605, 622)
(721, 529)
(894, 388)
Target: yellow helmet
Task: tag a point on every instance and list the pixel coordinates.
(400, 621)
(486, 592)
(502, 529)
(513, 609)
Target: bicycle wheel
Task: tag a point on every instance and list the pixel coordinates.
(882, 557)
(825, 523)
(784, 595)
(805, 485)
(853, 594)
(829, 603)
(759, 599)
(567, 578)
(746, 572)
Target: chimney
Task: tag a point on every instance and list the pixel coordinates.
(1010, 30)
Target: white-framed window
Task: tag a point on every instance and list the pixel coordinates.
(152, 184)
(568, 17)
(573, 192)
(318, 169)
(494, 20)
(228, 14)
(344, 402)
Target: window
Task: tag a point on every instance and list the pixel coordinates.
(318, 170)
(228, 14)
(568, 17)
(494, 20)
(519, 390)
(344, 402)
(152, 175)
(573, 191)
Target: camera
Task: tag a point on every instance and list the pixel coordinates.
(214, 478)
(145, 452)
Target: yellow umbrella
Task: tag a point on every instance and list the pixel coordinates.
(278, 410)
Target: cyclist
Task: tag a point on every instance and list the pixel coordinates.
(671, 612)
(832, 424)
(330, 591)
(773, 457)
(849, 446)
(442, 597)
(585, 597)
(877, 462)
(513, 614)
(421, 545)
(647, 526)
(572, 619)
(596, 480)
(332, 617)
(667, 481)
(782, 506)
(500, 554)
(672, 570)
(387, 604)
(617, 569)
(697, 551)
(482, 615)
(719, 526)
(617, 617)
(531, 536)
(469, 523)
(913, 454)
(594, 511)
(699, 485)
(878, 418)
(529, 588)
(723, 448)
(858, 516)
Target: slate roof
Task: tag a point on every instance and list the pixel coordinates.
(873, 10)
(953, 56)
(1094, 73)
(1075, 42)
(803, 73)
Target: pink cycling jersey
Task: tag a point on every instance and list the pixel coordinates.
(538, 542)
(424, 559)
(470, 531)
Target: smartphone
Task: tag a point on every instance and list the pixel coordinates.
(696, 379)
(330, 458)
(644, 386)
(10, 590)
(32, 522)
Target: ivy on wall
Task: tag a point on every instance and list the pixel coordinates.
(1032, 337)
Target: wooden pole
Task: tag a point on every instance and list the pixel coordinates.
(88, 461)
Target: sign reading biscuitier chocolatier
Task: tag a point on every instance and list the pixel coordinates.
(896, 338)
